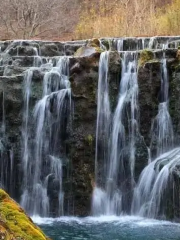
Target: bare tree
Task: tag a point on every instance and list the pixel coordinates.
(36, 18)
(26, 19)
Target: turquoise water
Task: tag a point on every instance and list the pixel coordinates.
(108, 228)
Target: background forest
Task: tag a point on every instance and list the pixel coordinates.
(81, 19)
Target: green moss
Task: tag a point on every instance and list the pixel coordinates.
(145, 56)
(89, 139)
(99, 50)
(16, 222)
(93, 46)
(94, 43)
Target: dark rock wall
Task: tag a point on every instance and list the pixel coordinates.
(84, 79)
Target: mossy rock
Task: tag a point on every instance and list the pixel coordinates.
(145, 56)
(91, 47)
(14, 223)
(94, 42)
(87, 51)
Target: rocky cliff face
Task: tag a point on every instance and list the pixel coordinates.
(79, 147)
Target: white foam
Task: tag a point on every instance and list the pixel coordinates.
(42, 221)
(125, 220)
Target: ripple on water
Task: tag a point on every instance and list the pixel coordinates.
(108, 228)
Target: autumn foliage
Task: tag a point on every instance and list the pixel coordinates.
(81, 19)
(129, 18)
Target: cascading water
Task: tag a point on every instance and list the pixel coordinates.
(107, 199)
(162, 129)
(43, 158)
(120, 131)
(25, 130)
(149, 195)
(154, 180)
(103, 114)
(44, 134)
(102, 131)
(120, 44)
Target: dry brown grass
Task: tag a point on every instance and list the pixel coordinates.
(133, 18)
(83, 19)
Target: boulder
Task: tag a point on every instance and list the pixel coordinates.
(92, 47)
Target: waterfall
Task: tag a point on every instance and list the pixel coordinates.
(153, 183)
(102, 132)
(149, 198)
(25, 129)
(103, 114)
(107, 199)
(120, 44)
(43, 157)
(115, 190)
(41, 174)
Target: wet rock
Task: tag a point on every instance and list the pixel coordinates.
(114, 76)
(50, 50)
(174, 107)
(149, 81)
(84, 80)
(86, 51)
(92, 47)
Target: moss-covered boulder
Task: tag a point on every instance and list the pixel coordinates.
(14, 223)
(145, 56)
(92, 47)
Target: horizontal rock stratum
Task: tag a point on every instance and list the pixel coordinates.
(14, 222)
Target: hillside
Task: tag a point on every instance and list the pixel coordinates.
(79, 19)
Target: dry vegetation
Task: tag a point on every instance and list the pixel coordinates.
(27, 19)
(129, 18)
(79, 19)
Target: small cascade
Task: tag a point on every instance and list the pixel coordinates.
(43, 159)
(120, 44)
(37, 58)
(152, 43)
(25, 128)
(162, 130)
(102, 133)
(103, 114)
(137, 44)
(149, 200)
(108, 199)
